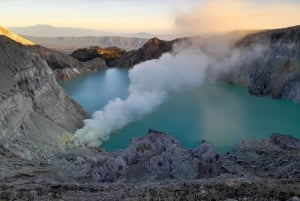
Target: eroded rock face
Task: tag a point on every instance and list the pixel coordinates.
(275, 70)
(36, 116)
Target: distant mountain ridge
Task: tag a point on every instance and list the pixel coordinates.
(43, 30)
(69, 44)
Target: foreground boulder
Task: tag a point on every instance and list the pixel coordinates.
(154, 157)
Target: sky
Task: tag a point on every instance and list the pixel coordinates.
(156, 16)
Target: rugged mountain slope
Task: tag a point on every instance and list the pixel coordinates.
(69, 44)
(108, 54)
(65, 66)
(36, 116)
(14, 36)
(275, 69)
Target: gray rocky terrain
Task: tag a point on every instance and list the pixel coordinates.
(156, 167)
(36, 116)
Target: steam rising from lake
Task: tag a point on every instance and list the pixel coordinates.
(151, 81)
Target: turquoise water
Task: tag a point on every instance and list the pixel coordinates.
(219, 113)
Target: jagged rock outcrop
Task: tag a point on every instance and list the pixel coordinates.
(36, 115)
(152, 158)
(108, 54)
(274, 71)
(156, 167)
(66, 67)
(152, 49)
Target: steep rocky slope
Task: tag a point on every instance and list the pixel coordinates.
(275, 69)
(36, 116)
(14, 36)
(66, 67)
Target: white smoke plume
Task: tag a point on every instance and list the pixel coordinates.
(191, 63)
(150, 83)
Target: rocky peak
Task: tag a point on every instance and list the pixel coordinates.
(155, 41)
(152, 49)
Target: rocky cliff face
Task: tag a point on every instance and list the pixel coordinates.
(36, 116)
(275, 69)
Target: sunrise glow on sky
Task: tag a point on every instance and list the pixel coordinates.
(160, 16)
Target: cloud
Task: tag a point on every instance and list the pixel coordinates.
(228, 15)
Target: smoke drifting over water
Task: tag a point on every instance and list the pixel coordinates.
(191, 63)
(150, 83)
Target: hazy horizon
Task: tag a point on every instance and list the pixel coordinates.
(155, 17)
